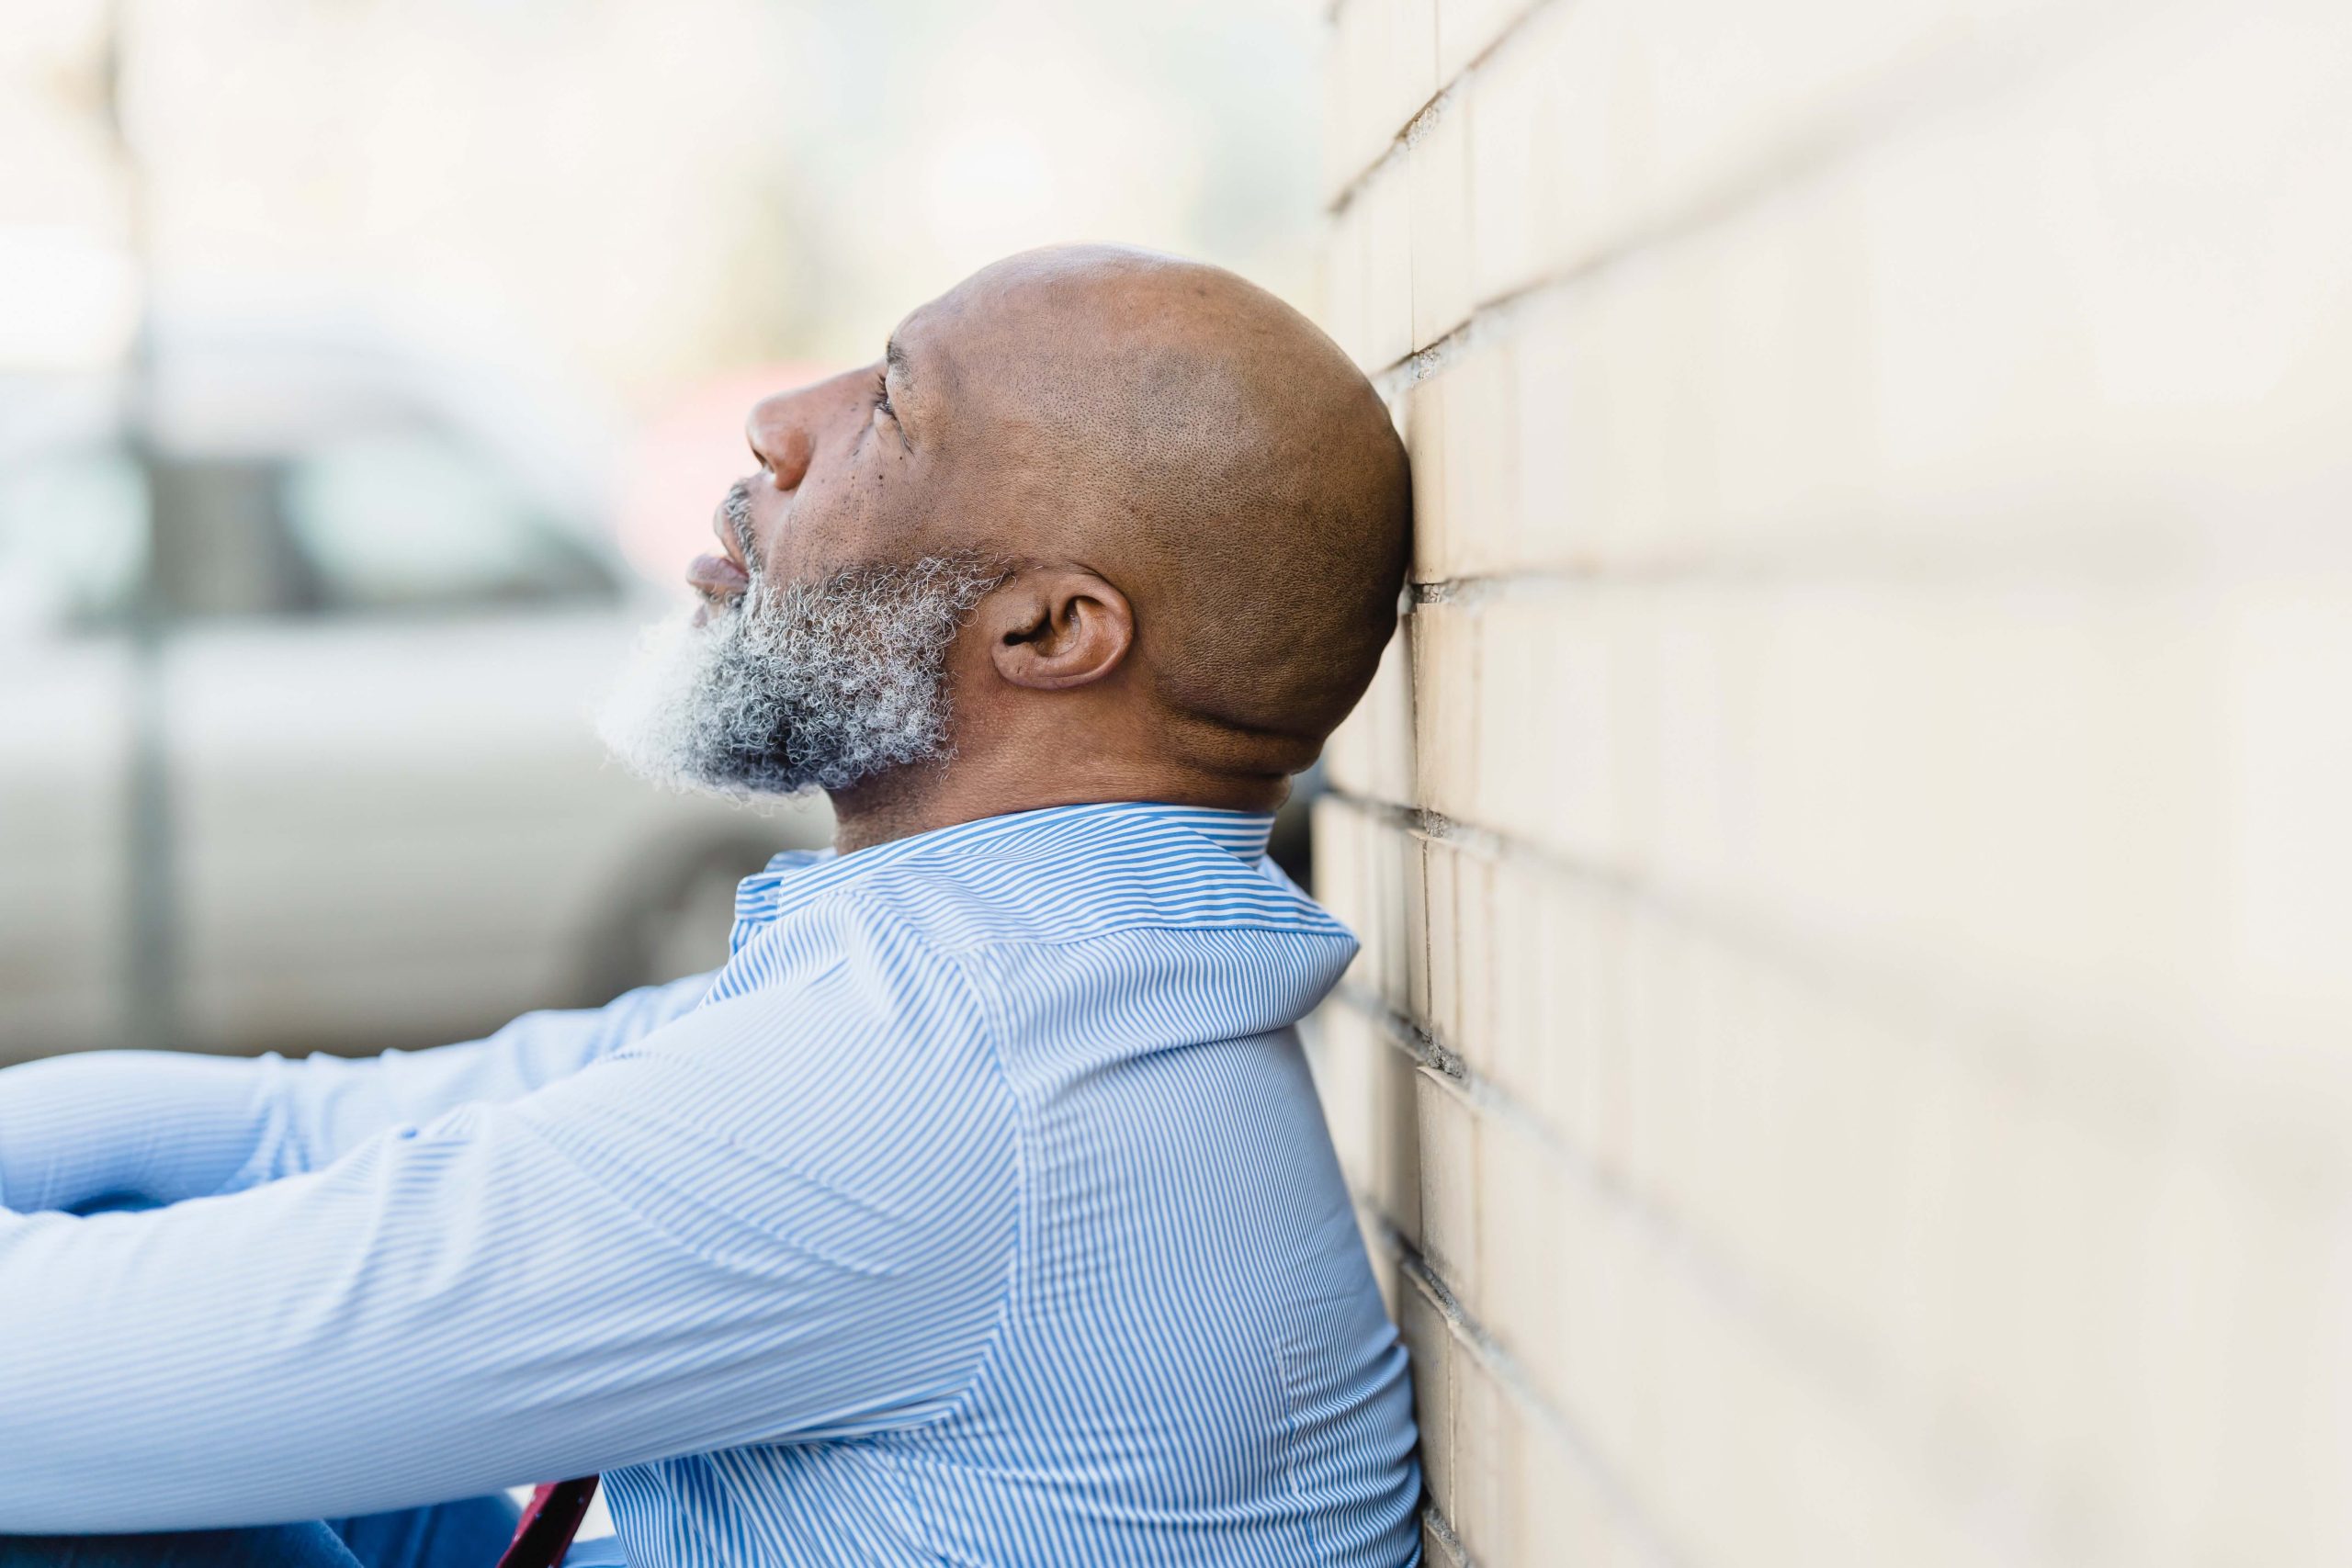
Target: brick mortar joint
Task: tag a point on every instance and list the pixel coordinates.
(1505, 1369)
(1484, 842)
(1901, 100)
(1857, 1389)
(1851, 1377)
(1436, 106)
(1433, 1519)
(2134, 558)
(1407, 1032)
(1987, 1030)
(1416, 1039)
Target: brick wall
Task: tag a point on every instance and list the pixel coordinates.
(1851, 1061)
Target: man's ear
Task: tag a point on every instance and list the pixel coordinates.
(1055, 628)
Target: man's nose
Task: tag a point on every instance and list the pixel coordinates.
(784, 429)
(779, 430)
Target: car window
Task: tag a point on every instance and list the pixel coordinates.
(409, 519)
(222, 548)
(73, 540)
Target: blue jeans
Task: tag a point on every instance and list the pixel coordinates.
(454, 1535)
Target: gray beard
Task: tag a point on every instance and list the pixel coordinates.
(801, 686)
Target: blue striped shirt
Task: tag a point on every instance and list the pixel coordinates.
(977, 1210)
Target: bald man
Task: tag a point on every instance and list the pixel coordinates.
(976, 1209)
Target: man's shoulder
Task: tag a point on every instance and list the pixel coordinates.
(1032, 927)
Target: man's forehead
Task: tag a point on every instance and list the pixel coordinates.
(915, 346)
(940, 347)
(992, 326)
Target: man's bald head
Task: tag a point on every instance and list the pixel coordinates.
(1175, 514)
(1205, 447)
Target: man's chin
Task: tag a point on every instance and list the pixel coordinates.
(648, 721)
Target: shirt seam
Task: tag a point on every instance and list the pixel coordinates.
(1017, 1264)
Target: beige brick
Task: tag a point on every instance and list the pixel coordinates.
(1528, 1240)
(1555, 1042)
(1414, 855)
(1449, 1134)
(1368, 867)
(1368, 290)
(1343, 1066)
(1354, 137)
(1342, 879)
(1438, 170)
(1522, 1496)
(1431, 1344)
(1436, 991)
(1384, 55)
(1395, 856)
(1467, 1024)
(1466, 435)
(1338, 85)
(1371, 755)
(1426, 442)
(1344, 84)
(1339, 862)
(1367, 1089)
(1445, 666)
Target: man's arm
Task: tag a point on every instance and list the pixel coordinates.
(644, 1259)
(168, 1126)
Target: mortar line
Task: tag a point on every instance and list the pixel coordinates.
(1433, 1519)
(1850, 1370)
(1507, 1371)
(1856, 1385)
(2161, 553)
(1900, 99)
(1431, 109)
(1973, 1025)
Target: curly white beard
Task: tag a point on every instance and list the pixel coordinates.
(805, 685)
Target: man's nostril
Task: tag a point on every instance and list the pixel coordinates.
(793, 451)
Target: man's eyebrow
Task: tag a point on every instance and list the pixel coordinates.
(895, 358)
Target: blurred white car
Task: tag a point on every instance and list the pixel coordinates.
(380, 603)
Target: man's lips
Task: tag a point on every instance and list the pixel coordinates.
(718, 576)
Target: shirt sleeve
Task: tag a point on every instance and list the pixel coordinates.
(780, 1217)
(164, 1127)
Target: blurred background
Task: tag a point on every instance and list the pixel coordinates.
(368, 373)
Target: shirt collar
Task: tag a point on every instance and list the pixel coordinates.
(793, 877)
(1243, 833)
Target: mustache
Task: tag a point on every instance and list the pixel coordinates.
(737, 510)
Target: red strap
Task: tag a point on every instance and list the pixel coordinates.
(548, 1524)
